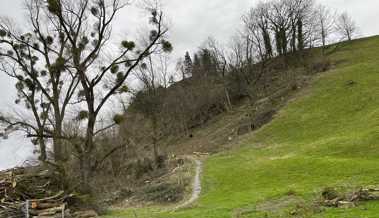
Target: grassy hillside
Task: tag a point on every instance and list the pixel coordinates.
(327, 136)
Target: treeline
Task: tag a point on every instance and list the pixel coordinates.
(286, 26)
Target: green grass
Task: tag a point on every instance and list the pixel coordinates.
(328, 136)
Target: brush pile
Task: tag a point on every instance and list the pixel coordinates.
(31, 192)
(332, 198)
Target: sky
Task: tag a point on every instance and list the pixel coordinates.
(191, 23)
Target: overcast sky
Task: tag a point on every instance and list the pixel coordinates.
(192, 21)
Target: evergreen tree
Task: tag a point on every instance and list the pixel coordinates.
(196, 66)
(188, 64)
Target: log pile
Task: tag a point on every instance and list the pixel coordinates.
(351, 199)
(31, 191)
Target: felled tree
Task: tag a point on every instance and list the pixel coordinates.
(70, 41)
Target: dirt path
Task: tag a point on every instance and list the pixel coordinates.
(196, 185)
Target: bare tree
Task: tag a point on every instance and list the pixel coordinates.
(153, 74)
(326, 23)
(68, 41)
(279, 17)
(257, 29)
(302, 13)
(45, 81)
(346, 26)
(239, 59)
(220, 60)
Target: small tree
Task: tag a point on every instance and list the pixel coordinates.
(325, 23)
(149, 101)
(346, 26)
(187, 64)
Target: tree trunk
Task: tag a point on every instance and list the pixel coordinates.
(300, 35)
(278, 43)
(86, 159)
(323, 38)
(283, 37)
(227, 98)
(57, 143)
(348, 35)
(323, 34)
(42, 145)
(155, 139)
(293, 39)
(267, 42)
(85, 172)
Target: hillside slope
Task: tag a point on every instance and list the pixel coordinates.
(327, 136)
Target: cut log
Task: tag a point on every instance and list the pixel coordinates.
(41, 206)
(200, 154)
(345, 204)
(331, 203)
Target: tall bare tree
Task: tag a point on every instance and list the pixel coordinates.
(219, 56)
(45, 81)
(325, 20)
(257, 29)
(153, 74)
(64, 55)
(279, 16)
(301, 12)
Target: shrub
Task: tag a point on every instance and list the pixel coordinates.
(163, 193)
(329, 193)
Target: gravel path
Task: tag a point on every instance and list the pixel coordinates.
(196, 185)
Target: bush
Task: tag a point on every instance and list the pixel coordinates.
(163, 193)
(329, 193)
(161, 161)
(143, 167)
(321, 65)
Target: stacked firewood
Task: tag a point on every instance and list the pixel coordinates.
(31, 192)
